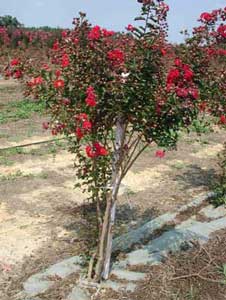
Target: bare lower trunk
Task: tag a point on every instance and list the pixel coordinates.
(105, 242)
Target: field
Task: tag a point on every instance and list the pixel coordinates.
(41, 219)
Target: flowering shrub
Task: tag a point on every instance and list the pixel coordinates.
(112, 95)
(205, 51)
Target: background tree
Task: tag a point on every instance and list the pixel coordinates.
(9, 21)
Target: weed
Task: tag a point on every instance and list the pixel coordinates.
(23, 109)
(178, 165)
(192, 294)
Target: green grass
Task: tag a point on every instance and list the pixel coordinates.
(6, 162)
(23, 109)
(19, 174)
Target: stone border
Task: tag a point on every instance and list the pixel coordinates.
(144, 233)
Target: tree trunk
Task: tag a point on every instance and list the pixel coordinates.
(105, 242)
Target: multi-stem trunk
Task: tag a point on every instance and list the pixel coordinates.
(105, 242)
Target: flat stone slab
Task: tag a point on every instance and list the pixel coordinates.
(138, 236)
(172, 241)
(40, 282)
(79, 294)
(213, 213)
(128, 275)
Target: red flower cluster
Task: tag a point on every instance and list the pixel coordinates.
(180, 78)
(95, 33)
(116, 56)
(223, 119)
(59, 83)
(160, 153)
(84, 125)
(222, 30)
(56, 45)
(107, 33)
(90, 97)
(65, 61)
(207, 17)
(14, 62)
(35, 81)
(17, 74)
(96, 150)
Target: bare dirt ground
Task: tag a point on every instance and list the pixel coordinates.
(39, 223)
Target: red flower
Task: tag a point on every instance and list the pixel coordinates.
(17, 74)
(59, 83)
(45, 125)
(178, 62)
(57, 73)
(46, 67)
(35, 81)
(64, 33)
(130, 28)
(116, 56)
(223, 119)
(38, 80)
(188, 73)
(202, 106)
(87, 125)
(65, 61)
(66, 101)
(82, 117)
(54, 132)
(206, 17)
(79, 133)
(14, 62)
(90, 152)
(222, 30)
(182, 92)
(90, 97)
(56, 45)
(90, 101)
(173, 76)
(107, 33)
(160, 153)
(95, 33)
(194, 93)
(96, 150)
(221, 52)
(163, 51)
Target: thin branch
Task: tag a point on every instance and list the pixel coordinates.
(134, 159)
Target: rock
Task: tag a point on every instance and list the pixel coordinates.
(180, 238)
(40, 282)
(79, 294)
(213, 213)
(196, 202)
(145, 232)
(126, 241)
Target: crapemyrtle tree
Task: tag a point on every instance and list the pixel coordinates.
(112, 95)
